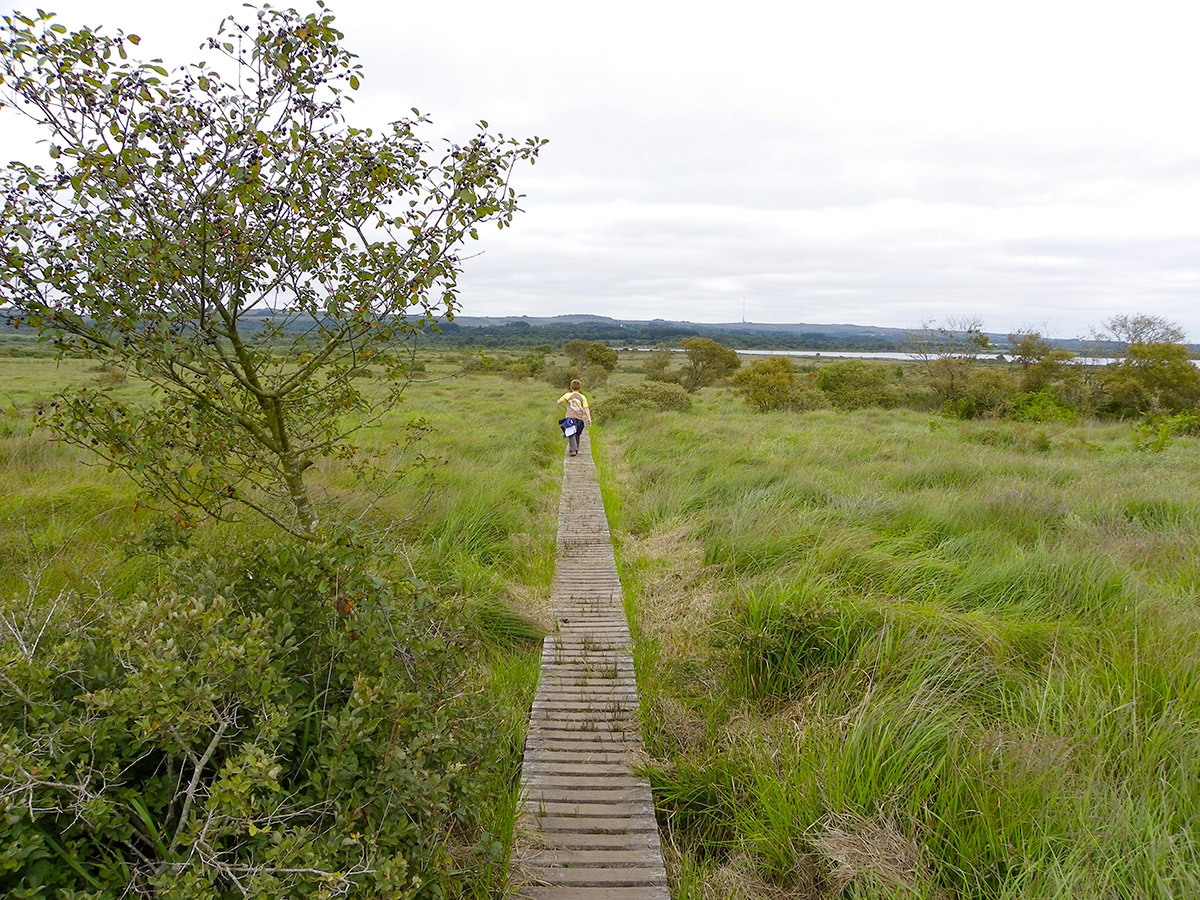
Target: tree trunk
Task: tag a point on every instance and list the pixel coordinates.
(306, 516)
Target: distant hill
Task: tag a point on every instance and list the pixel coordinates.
(517, 331)
(856, 331)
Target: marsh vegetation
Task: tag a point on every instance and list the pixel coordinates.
(883, 651)
(216, 709)
(889, 653)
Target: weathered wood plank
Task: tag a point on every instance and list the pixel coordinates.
(586, 828)
(576, 892)
(603, 876)
(615, 824)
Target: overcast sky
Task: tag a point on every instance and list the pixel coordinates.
(1033, 164)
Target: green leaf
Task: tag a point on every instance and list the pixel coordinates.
(71, 861)
(148, 822)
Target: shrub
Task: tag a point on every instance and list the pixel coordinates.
(283, 724)
(1154, 433)
(601, 356)
(987, 391)
(530, 364)
(559, 376)
(1055, 368)
(708, 362)
(594, 375)
(856, 384)
(516, 371)
(1039, 407)
(652, 395)
(591, 353)
(948, 377)
(768, 383)
(772, 383)
(658, 363)
(1155, 377)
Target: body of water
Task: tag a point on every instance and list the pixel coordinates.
(904, 357)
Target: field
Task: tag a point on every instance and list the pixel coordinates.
(882, 653)
(888, 654)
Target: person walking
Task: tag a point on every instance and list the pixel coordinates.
(578, 415)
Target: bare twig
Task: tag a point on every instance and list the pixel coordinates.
(190, 796)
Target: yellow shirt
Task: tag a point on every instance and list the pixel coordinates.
(577, 405)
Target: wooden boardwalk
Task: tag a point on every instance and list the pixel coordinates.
(586, 828)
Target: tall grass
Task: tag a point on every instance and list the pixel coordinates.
(884, 655)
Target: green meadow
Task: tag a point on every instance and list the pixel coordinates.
(882, 653)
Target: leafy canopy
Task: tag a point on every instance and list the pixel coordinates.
(708, 362)
(594, 353)
(767, 384)
(223, 232)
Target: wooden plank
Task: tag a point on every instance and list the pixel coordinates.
(595, 824)
(588, 794)
(576, 892)
(586, 828)
(606, 876)
(583, 780)
(536, 812)
(626, 857)
(531, 841)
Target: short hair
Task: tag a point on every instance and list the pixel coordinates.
(576, 385)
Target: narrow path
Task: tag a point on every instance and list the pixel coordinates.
(586, 829)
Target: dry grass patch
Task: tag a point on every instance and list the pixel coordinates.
(874, 850)
(738, 878)
(678, 599)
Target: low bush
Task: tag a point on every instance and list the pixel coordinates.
(708, 363)
(856, 384)
(591, 354)
(985, 395)
(517, 371)
(560, 376)
(646, 395)
(594, 375)
(278, 723)
(772, 383)
(1154, 433)
(1039, 407)
(1156, 377)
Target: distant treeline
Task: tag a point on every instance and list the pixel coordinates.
(523, 335)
